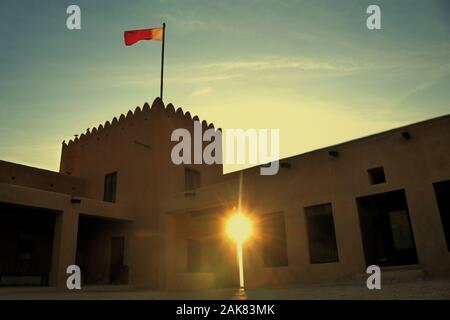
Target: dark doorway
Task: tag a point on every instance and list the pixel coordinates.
(117, 259)
(223, 261)
(101, 250)
(26, 244)
(207, 250)
(215, 256)
(442, 191)
(386, 229)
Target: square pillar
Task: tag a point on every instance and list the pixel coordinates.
(427, 229)
(348, 236)
(64, 246)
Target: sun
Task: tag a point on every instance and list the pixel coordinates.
(239, 227)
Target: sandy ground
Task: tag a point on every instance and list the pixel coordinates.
(417, 289)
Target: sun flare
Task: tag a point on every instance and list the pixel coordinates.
(239, 227)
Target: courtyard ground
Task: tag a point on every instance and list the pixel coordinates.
(414, 289)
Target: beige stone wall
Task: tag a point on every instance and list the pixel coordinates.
(138, 147)
(316, 178)
(17, 174)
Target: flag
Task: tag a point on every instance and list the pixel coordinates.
(133, 36)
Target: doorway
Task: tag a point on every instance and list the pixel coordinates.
(209, 251)
(117, 259)
(26, 245)
(442, 191)
(386, 230)
(101, 251)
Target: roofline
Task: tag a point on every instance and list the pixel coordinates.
(360, 139)
(34, 168)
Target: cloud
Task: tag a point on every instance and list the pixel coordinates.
(423, 86)
(212, 77)
(137, 77)
(202, 92)
(275, 63)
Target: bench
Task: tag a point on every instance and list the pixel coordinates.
(42, 276)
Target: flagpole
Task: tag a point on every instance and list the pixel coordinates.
(162, 60)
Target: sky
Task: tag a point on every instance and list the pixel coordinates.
(309, 68)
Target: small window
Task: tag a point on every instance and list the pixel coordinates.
(274, 245)
(376, 175)
(321, 234)
(110, 187)
(191, 179)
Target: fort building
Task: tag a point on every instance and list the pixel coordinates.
(122, 211)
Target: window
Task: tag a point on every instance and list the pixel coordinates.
(274, 245)
(376, 175)
(191, 179)
(321, 234)
(110, 187)
(442, 191)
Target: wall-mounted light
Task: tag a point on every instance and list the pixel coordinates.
(285, 165)
(333, 153)
(406, 135)
(75, 201)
